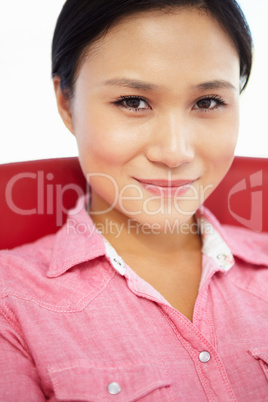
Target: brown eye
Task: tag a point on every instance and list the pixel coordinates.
(132, 103)
(204, 103)
(210, 103)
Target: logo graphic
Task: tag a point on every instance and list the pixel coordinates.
(256, 204)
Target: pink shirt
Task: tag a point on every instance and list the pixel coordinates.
(77, 324)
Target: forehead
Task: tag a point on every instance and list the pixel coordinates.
(163, 46)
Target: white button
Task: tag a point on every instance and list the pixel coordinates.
(204, 356)
(221, 257)
(114, 388)
(115, 259)
(118, 264)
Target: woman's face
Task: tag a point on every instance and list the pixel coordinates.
(156, 106)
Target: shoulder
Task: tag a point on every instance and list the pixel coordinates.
(25, 265)
(248, 244)
(60, 272)
(250, 250)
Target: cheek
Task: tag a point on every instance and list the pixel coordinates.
(219, 151)
(105, 141)
(226, 142)
(221, 148)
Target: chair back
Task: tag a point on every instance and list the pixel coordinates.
(36, 195)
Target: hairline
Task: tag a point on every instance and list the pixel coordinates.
(92, 47)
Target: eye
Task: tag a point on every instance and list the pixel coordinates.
(209, 103)
(133, 103)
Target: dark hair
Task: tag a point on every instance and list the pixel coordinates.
(83, 22)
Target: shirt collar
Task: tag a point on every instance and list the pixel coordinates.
(76, 242)
(79, 241)
(243, 243)
(213, 244)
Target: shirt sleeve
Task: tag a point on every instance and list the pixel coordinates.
(19, 379)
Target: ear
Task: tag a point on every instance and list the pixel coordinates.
(64, 105)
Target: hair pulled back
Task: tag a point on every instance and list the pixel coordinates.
(82, 23)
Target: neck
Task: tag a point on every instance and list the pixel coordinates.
(130, 237)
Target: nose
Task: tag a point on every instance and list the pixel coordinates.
(171, 141)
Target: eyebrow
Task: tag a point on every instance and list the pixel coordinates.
(134, 84)
(147, 86)
(216, 84)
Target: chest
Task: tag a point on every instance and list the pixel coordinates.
(177, 283)
(122, 337)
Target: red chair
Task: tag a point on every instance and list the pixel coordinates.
(35, 197)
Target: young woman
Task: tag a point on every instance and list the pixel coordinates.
(142, 295)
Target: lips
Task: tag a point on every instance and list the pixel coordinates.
(166, 188)
(166, 183)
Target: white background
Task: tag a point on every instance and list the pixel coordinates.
(30, 125)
